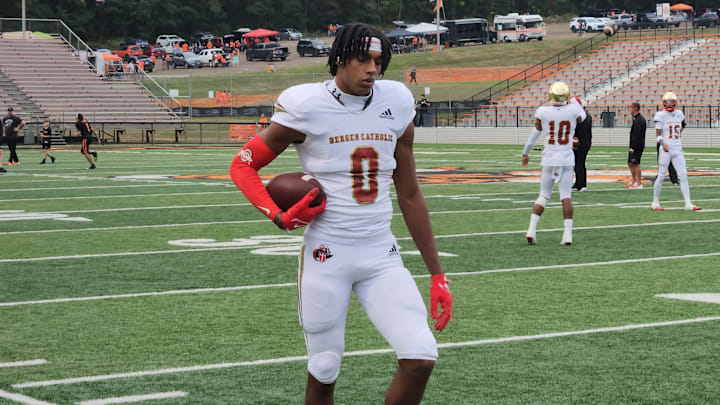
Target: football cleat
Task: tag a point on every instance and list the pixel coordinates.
(567, 237)
(629, 185)
(656, 207)
(692, 208)
(531, 238)
(637, 186)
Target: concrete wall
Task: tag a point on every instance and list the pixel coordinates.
(691, 137)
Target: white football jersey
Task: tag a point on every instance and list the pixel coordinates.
(671, 125)
(350, 149)
(558, 128)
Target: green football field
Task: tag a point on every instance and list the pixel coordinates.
(149, 276)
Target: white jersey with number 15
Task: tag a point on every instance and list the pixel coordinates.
(558, 128)
(671, 125)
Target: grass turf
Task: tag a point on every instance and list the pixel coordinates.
(674, 364)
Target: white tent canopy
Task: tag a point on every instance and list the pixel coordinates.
(425, 28)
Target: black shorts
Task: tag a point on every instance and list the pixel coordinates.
(46, 145)
(2, 140)
(634, 157)
(85, 148)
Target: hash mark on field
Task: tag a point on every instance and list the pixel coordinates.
(263, 286)
(36, 362)
(134, 398)
(22, 399)
(361, 353)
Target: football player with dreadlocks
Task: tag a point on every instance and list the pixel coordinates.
(354, 134)
(556, 122)
(669, 125)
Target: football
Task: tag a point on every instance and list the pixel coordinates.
(609, 30)
(286, 189)
(576, 142)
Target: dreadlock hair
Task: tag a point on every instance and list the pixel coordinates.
(352, 41)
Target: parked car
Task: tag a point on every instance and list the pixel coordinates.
(676, 19)
(592, 24)
(165, 40)
(623, 21)
(148, 64)
(267, 51)
(290, 34)
(709, 20)
(135, 41)
(185, 59)
(648, 20)
(203, 37)
(314, 47)
(125, 51)
(206, 55)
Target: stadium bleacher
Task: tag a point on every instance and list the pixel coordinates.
(59, 85)
(620, 72)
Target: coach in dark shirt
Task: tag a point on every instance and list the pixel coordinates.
(583, 132)
(637, 145)
(13, 124)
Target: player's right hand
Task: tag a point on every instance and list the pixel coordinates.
(665, 147)
(440, 296)
(301, 213)
(525, 160)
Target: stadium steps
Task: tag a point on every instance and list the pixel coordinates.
(60, 85)
(13, 96)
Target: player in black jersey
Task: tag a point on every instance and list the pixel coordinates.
(87, 132)
(45, 135)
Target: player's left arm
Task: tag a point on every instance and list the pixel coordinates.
(415, 212)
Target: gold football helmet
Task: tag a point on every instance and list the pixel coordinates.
(559, 93)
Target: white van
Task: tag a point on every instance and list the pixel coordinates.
(165, 40)
(516, 27)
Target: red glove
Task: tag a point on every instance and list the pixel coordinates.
(301, 213)
(440, 294)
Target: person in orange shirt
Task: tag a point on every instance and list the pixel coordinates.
(153, 59)
(266, 40)
(263, 119)
(217, 98)
(141, 65)
(167, 61)
(223, 61)
(209, 45)
(185, 47)
(237, 44)
(177, 45)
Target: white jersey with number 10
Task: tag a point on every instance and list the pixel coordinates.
(558, 128)
(670, 123)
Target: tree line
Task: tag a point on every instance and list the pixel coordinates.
(97, 22)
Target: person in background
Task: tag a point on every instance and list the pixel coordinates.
(422, 105)
(87, 132)
(185, 47)
(13, 124)
(167, 61)
(584, 134)
(45, 138)
(413, 75)
(637, 145)
(209, 45)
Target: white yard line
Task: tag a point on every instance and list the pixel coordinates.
(25, 363)
(461, 235)
(292, 284)
(121, 196)
(115, 228)
(595, 205)
(155, 184)
(135, 398)
(360, 353)
(120, 254)
(22, 399)
(148, 294)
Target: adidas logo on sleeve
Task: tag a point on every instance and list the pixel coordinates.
(387, 114)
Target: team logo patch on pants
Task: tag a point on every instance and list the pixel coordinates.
(322, 253)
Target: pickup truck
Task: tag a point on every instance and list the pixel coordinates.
(623, 21)
(267, 52)
(645, 21)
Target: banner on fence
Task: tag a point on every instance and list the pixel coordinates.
(243, 132)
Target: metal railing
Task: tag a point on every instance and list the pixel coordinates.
(161, 96)
(640, 61)
(605, 78)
